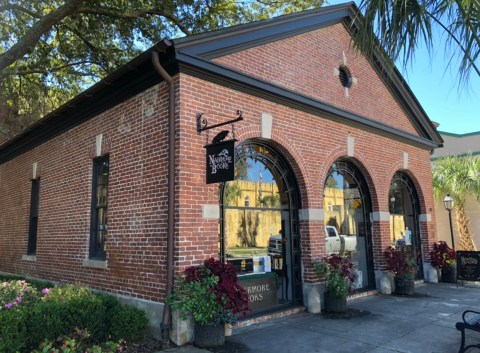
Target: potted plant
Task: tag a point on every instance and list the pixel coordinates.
(401, 262)
(443, 258)
(338, 274)
(211, 293)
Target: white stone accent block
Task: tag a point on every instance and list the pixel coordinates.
(425, 217)
(34, 170)
(405, 160)
(266, 122)
(98, 145)
(350, 146)
(210, 212)
(380, 216)
(312, 214)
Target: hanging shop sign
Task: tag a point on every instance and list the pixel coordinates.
(220, 162)
(468, 265)
(220, 154)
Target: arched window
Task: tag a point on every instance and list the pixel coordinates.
(259, 229)
(347, 208)
(404, 208)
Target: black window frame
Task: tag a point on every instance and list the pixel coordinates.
(98, 231)
(33, 219)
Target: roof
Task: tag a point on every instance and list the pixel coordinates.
(194, 55)
(458, 145)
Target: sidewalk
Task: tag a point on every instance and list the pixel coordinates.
(423, 323)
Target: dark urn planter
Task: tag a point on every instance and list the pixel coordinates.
(335, 304)
(404, 285)
(209, 335)
(449, 275)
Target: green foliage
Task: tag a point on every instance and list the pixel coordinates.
(16, 293)
(401, 26)
(401, 262)
(197, 298)
(13, 330)
(68, 292)
(78, 341)
(457, 176)
(338, 273)
(51, 319)
(127, 322)
(51, 50)
(208, 292)
(58, 312)
(35, 283)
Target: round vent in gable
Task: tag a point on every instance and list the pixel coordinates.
(345, 76)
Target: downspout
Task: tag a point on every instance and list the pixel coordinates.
(166, 320)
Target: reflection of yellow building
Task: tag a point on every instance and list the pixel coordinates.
(252, 215)
(397, 227)
(342, 207)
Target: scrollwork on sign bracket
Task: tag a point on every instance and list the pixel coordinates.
(202, 122)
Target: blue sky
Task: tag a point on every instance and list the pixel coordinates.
(455, 107)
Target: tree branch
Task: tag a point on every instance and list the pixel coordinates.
(26, 45)
(134, 14)
(11, 7)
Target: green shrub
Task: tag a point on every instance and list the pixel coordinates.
(51, 319)
(13, 329)
(67, 292)
(127, 322)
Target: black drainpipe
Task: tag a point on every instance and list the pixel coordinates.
(166, 320)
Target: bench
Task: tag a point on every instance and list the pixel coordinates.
(471, 321)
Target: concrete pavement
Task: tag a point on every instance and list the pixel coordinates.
(423, 323)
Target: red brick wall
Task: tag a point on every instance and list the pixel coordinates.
(134, 135)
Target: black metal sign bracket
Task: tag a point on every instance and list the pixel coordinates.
(202, 123)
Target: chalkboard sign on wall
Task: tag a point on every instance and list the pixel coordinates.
(468, 265)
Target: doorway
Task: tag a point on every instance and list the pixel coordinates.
(259, 231)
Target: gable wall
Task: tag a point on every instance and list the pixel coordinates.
(305, 64)
(134, 135)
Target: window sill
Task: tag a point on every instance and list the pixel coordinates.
(102, 264)
(29, 257)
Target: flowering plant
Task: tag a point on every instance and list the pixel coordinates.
(401, 262)
(15, 293)
(210, 292)
(338, 273)
(442, 256)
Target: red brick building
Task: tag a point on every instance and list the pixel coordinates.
(338, 139)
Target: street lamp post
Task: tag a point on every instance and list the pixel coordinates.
(448, 203)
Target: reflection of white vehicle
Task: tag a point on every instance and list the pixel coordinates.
(275, 245)
(336, 243)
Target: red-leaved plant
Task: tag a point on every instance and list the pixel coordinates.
(401, 262)
(211, 292)
(338, 273)
(442, 256)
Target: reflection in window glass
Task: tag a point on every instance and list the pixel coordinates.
(345, 193)
(252, 210)
(343, 204)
